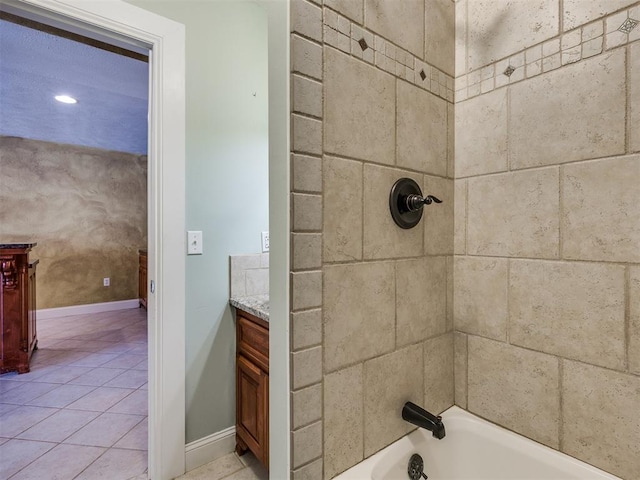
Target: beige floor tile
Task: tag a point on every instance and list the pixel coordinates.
(6, 385)
(101, 399)
(61, 396)
(22, 418)
(60, 374)
(60, 463)
(136, 404)
(17, 454)
(26, 392)
(97, 376)
(124, 360)
(7, 407)
(105, 430)
(129, 379)
(58, 426)
(137, 438)
(94, 359)
(215, 470)
(116, 464)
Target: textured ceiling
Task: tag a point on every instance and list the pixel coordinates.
(111, 89)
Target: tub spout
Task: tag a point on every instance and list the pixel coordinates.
(412, 413)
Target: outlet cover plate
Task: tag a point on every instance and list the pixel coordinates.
(265, 242)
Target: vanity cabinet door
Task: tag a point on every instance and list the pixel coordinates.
(252, 407)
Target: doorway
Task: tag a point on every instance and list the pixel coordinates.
(118, 22)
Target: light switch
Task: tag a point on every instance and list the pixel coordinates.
(194, 242)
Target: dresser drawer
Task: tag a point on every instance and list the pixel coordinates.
(253, 341)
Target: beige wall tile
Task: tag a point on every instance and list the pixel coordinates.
(306, 251)
(573, 113)
(460, 218)
(438, 373)
(570, 309)
(382, 237)
(437, 218)
(311, 471)
(359, 109)
(342, 209)
(514, 214)
(306, 19)
(352, 9)
(306, 444)
(481, 134)
(634, 97)
(451, 147)
(515, 388)
(579, 12)
(306, 406)
(306, 173)
(306, 367)
(460, 369)
(400, 22)
(359, 312)
(306, 95)
(461, 37)
(449, 293)
(600, 218)
(306, 329)
(306, 57)
(480, 296)
(306, 290)
(389, 382)
(307, 135)
(439, 49)
(495, 33)
(257, 281)
(634, 321)
(307, 212)
(600, 424)
(421, 130)
(343, 420)
(420, 299)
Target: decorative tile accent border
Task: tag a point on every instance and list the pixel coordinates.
(351, 38)
(583, 42)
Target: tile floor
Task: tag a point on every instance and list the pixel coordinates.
(81, 413)
(229, 467)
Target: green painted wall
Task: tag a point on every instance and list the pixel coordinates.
(226, 185)
(87, 210)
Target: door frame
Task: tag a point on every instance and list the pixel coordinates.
(165, 39)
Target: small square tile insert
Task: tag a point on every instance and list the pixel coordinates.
(628, 25)
(509, 70)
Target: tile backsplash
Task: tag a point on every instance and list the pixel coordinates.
(249, 275)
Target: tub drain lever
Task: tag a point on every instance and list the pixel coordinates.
(416, 467)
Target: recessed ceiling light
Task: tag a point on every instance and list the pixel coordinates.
(65, 99)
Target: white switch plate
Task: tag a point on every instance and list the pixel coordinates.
(106, 281)
(194, 242)
(265, 242)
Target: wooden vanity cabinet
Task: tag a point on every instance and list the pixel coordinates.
(252, 386)
(142, 277)
(17, 307)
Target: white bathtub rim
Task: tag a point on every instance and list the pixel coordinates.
(364, 470)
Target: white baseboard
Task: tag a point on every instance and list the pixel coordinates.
(83, 309)
(210, 448)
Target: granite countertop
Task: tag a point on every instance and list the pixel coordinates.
(17, 245)
(257, 305)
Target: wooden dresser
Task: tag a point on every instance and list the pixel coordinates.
(252, 385)
(17, 307)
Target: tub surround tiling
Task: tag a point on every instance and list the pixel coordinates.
(512, 60)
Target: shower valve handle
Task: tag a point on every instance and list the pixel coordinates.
(415, 202)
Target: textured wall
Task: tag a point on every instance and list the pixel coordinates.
(87, 210)
(371, 303)
(547, 224)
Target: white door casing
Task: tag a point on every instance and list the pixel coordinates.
(165, 38)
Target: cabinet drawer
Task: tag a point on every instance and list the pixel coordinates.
(253, 341)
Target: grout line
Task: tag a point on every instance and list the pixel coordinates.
(560, 404)
(627, 112)
(560, 212)
(508, 332)
(627, 317)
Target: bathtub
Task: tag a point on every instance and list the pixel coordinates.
(473, 449)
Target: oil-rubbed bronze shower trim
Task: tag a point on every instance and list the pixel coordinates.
(406, 202)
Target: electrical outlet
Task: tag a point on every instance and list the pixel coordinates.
(265, 242)
(106, 281)
(194, 242)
